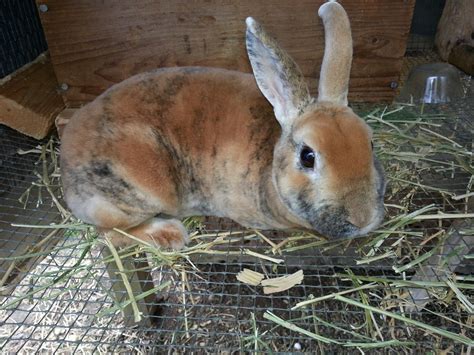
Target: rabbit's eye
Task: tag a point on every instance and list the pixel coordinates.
(307, 157)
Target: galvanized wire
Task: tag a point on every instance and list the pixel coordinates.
(219, 308)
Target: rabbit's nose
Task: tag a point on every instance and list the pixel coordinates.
(368, 222)
(360, 219)
(361, 207)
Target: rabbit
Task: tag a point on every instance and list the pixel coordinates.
(189, 141)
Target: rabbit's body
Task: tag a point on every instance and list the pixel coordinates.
(175, 141)
(190, 141)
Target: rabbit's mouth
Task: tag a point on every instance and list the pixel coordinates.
(333, 222)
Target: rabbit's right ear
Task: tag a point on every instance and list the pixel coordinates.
(336, 67)
(277, 75)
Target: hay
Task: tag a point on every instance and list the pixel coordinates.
(406, 142)
(270, 285)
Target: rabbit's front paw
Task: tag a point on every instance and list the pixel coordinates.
(163, 233)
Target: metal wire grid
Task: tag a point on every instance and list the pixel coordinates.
(221, 314)
(16, 176)
(220, 318)
(21, 35)
(419, 44)
(425, 19)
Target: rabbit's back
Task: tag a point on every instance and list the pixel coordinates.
(178, 141)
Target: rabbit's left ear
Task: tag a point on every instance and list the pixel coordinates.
(277, 75)
(336, 67)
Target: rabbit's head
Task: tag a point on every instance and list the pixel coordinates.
(324, 168)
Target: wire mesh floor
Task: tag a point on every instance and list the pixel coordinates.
(205, 309)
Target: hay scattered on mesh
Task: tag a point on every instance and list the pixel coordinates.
(406, 142)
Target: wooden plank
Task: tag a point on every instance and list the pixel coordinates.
(95, 44)
(140, 281)
(29, 99)
(62, 119)
(20, 241)
(462, 56)
(456, 26)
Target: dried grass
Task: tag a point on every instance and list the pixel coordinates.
(410, 145)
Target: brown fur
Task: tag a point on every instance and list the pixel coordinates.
(267, 58)
(336, 66)
(169, 234)
(206, 139)
(345, 141)
(190, 141)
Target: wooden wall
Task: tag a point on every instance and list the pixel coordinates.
(29, 98)
(94, 44)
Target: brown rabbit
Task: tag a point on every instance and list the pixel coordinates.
(179, 142)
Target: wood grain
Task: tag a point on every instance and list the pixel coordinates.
(29, 99)
(456, 26)
(462, 56)
(95, 44)
(62, 119)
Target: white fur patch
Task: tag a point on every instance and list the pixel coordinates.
(86, 210)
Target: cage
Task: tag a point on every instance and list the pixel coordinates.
(405, 288)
